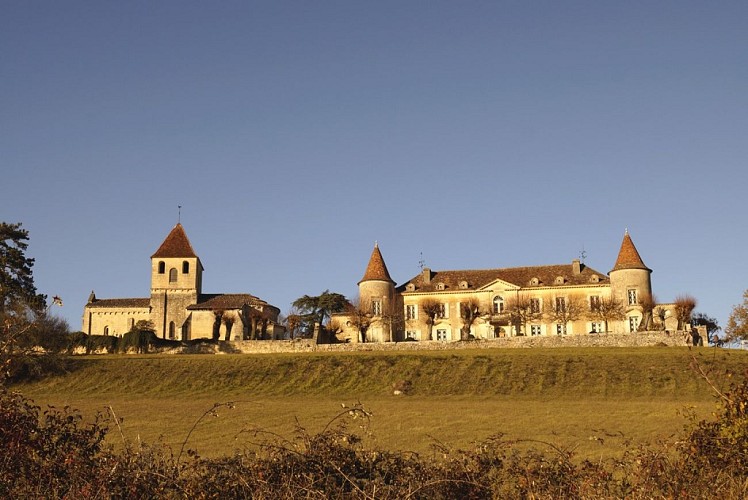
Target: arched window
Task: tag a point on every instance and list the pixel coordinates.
(106, 330)
(172, 330)
(185, 267)
(172, 275)
(161, 267)
(498, 304)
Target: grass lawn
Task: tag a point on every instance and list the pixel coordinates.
(590, 400)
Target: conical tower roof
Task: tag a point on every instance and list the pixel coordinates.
(176, 244)
(628, 256)
(377, 269)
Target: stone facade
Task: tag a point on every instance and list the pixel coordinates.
(177, 308)
(538, 301)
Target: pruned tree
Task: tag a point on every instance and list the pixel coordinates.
(607, 309)
(660, 313)
(737, 324)
(361, 317)
(228, 319)
(684, 306)
(293, 323)
(470, 311)
(432, 309)
(217, 315)
(648, 302)
(565, 310)
(316, 309)
(520, 311)
(393, 320)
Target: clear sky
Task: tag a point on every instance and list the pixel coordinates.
(296, 134)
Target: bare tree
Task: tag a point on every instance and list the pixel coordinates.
(648, 302)
(392, 320)
(607, 309)
(361, 317)
(432, 309)
(565, 310)
(228, 320)
(217, 315)
(684, 306)
(521, 310)
(294, 321)
(470, 311)
(660, 313)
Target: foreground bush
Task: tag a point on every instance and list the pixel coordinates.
(55, 454)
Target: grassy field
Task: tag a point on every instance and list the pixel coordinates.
(587, 399)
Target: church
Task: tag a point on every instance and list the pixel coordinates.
(449, 305)
(177, 307)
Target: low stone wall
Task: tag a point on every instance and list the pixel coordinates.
(639, 339)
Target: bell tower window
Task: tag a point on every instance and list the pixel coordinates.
(161, 267)
(185, 267)
(172, 275)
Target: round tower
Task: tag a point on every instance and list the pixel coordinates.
(376, 292)
(630, 282)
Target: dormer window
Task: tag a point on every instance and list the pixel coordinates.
(594, 278)
(559, 280)
(440, 286)
(534, 282)
(463, 285)
(410, 287)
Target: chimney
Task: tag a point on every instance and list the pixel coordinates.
(576, 267)
(426, 276)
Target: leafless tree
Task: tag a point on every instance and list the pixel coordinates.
(648, 302)
(361, 317)
(565, 310)
(660, 313)
(520, 310)
(470, 311)
(607, 309)
(684, 306)
(228, 320)
(432, 309)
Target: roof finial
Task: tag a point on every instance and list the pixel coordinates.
(626, 231)
(421, 262)
(179, 214)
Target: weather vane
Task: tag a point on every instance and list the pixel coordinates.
(179, 214)
(582, 255)
(421, 262)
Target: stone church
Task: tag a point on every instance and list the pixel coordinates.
(564, 299)
(177, 307)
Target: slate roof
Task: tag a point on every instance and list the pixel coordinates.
(628, 256)
(176, 244)
(519, 276)
(134, 303)
(377, 269)
(215, 301)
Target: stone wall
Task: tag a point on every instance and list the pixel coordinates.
(639, 339)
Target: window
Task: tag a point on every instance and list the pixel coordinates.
(498, 304)
(534, 330)
(172, 330)
(463, 285)
(594, 303)
(561, 304)
(560, 329)
(161, 267)
(411, 335)
(633, 323)
(106, 330)
(535, 306)
(443, 311)
(632, 297)
(376, 307)
(441, 334)
(130, 324)
(185, 267)
(440, 286)
(596, 327)
(172, 275)
(411, 311)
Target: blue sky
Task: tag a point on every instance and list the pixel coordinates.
(296, 134)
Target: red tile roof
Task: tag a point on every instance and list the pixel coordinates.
(377, 269)
(519, 276)
(628, 256)
(215, 301)
(176, 244)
